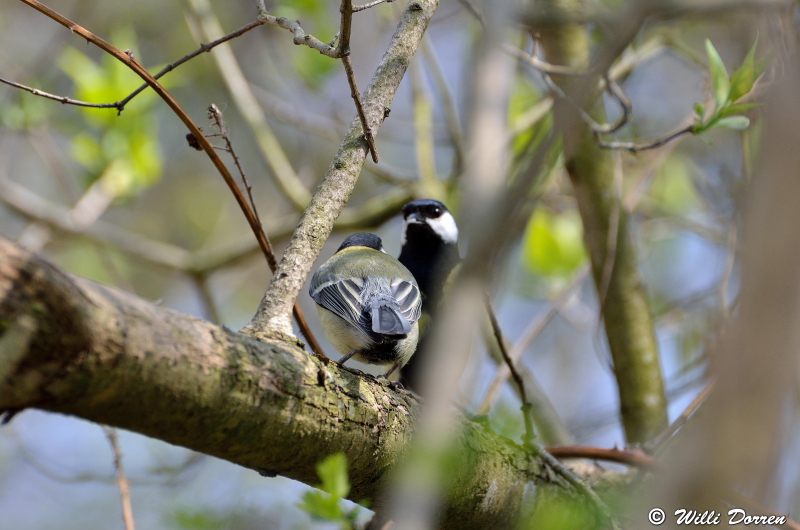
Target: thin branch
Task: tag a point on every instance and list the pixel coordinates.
(351, 79)
(501, 343)
(630, 457)
(448, 102)
(681, 420)
(344, 53)
(530, 441)
(613, 89)
(120, 105)
(528, 336)
(215, 114)
(122, 482)
(724, 284)
(362, 7)
(429, 184)
(62, 99)
(635, 148)
(202, 49)
(201, 283)
(300, 36)
(472, 10)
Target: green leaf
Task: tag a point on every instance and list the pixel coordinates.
(700, 109)
(719, 75)
(737, 123)
(744, 78)
(333, 472)
(553, 244)
(321, 505)
(736, 108)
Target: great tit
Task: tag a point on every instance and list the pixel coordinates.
(430, 251)
(429, 247)
(368, 303)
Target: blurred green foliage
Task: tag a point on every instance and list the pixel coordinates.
(122, 150)
(325, 503)
(560, 513)
(673, 191)
(26, 112)
(553, 243)
(524, 97)
(200, 520)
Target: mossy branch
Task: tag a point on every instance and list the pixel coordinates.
(73, 346)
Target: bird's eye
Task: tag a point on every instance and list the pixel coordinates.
(437, 210)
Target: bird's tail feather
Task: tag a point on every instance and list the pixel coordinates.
(387, 320)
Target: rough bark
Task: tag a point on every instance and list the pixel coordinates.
(316, 224)
(72, 346)
(628, 323)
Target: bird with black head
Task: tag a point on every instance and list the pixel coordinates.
(429, 249)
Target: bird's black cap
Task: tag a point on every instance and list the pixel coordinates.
(425, 208)
(362, 239)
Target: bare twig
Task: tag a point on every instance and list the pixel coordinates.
(635, 148)
(362, 7)
(530, 441)
(120, 105)
(724, 284)
(428, 184)
(448, 102)
(529, 335)
(344, 53)
(501, 343)
(613, 89)
(472, 10)
(542, 66)
(300, 36)
(202, 49)
(631, 457)
(681, 420)
(608, 84)
(215, 114)
(351, 78)
(134, 65)
(122, 482)
(200, 281)
(62, 99)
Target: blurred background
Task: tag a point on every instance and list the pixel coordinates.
(124, 200)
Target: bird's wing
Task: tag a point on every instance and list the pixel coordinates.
(342, 297)
(408, 298)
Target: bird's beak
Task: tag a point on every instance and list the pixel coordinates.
(415, 218)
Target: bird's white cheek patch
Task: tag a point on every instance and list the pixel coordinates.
(445, 226)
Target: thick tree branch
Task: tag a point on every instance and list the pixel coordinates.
(340, 179)
(70, 345)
